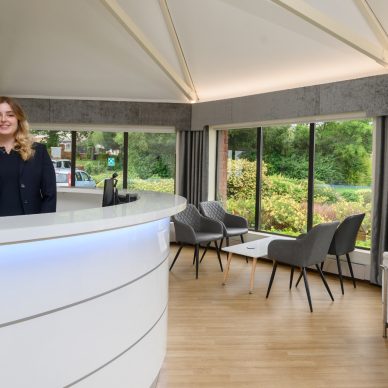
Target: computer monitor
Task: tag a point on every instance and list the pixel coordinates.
(109, 196)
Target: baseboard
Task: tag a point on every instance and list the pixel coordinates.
(360, 271)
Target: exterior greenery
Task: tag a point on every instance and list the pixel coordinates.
(342, 175)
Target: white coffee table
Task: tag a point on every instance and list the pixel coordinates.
(254, 249)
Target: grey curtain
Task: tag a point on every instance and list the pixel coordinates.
(193, 165)
(380, 201)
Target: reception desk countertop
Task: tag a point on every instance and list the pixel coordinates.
(150, 206)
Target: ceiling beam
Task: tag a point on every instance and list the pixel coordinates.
(177, 45)
(130, 26)
(373, 22)
(335, 29)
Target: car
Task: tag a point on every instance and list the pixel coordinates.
(61, 163)
(82, 178)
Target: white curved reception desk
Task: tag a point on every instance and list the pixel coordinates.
(84, 292)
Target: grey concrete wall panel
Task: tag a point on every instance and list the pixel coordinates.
(107, 112)
(293, 103)
(165, 114)
(380, 102)
(211, 113)
(94, 112)
(285, 104)
(347, 96)
(37, 110)
(369, 95)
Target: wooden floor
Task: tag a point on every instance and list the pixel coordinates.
(221, 336)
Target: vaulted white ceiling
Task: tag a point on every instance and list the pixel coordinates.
(186, 50)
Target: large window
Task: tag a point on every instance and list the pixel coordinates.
(285, 179)
(343, 173)
(148, 162)
(237, 171)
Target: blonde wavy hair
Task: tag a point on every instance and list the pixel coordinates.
(23, 139)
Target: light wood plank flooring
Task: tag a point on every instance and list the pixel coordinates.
(221, 336)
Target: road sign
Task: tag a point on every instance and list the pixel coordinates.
(111, 162)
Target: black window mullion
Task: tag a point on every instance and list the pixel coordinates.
(310, 186)
(125, 161)
(259, 170)
(216, 197)
(73, 156)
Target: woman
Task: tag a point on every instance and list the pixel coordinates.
(27, 176)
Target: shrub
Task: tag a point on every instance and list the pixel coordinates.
(352, 196)
(94, 167)
(241, 179)
(283, 202)
(160, 185)
(165, 185)
(243, 207)
(279, 185)
(324, 193)
(283, 213)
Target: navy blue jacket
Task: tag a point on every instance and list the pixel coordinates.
(37, 182)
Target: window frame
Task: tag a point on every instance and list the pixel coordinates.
(311, 167)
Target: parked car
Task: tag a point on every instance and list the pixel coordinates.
(61, 163)
(82, 178)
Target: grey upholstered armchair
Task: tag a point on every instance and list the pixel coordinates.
(233, 225)
(344, 242)
(191, 228)
(310, 249)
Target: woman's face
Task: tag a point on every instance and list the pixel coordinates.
(8, 120)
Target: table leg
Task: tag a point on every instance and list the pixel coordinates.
(254, 262)
(227, 268)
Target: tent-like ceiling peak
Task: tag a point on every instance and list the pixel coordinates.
(221, 48)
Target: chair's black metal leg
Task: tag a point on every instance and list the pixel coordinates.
(322, 265)
(340, 274)
(275, 264)
(291, 275)
(351, 270)
(227, 241)
(219, 256)
(324, 282)
(242, 241)
(176, 256)
(196, 260)
(204, 251)
(306, 284)
(222, 240)
(194, 257)
(300, 277)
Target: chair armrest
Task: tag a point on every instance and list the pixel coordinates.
(184, 233)
(210, 225)
(234, 221)
(286, 251)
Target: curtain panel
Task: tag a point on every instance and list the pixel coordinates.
(193, 165)
(380, 201)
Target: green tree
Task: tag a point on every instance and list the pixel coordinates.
(286, 150)
(348, 144)
(151, 155)
(243, 140)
